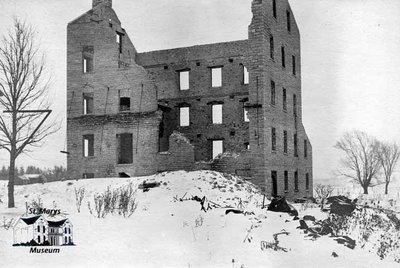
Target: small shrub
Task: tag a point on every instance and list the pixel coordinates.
(79, 195)
(127, 200)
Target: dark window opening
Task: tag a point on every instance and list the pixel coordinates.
(286, 181)
(295, 145)
(294, 65)
(197, 63)
(274, 8)
(124, 104)
(288, 20)
(38, 238)
(165, 67)
(274, 179)
(230, 60)
(305, 148)
(273, 93)
(296, 181)
(271, 46)
(307, 182)
(88, 175)
(124, 175)
(294, 105)
(284, 99)
(88, 145)
(285, 142)
(232, 133)
(273, 139)
(247, 145)
(283, 57)
(87, 103)
(125, 150)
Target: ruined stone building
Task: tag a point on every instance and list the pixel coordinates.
(139, 113)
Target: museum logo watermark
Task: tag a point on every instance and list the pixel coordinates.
(43, 230)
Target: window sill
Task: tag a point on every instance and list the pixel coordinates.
(89, 157)
(219, 87)
(122, 165)
(286, 191)
(296, 191)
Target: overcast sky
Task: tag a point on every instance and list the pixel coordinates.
(350, 58)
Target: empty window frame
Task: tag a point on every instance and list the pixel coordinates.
(283, 57)
(285, 142)
(273, 139)
(286, 180)
(295, 145)
(184, 80)
(274, 8)
(87, 103)
(284, 99)
(296, 181)
(273, 97)
(271, 46)
(88, 145)
(307, 181)
(294, 105)
(184, 116)
(87, 59)
(124, 104)
(294, 65)
(288, 21)
(216, 77)
(217, 148)
(245, 115)
(305, 148)
(125, 148)
(216, 113)
(245, 75)
(119, 40)
(87, 64)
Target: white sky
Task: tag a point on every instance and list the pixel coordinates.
(350, 58)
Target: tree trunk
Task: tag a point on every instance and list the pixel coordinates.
(365, 190)
(386, 187)
(11, 179)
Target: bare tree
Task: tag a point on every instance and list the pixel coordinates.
(23, 96)
(388, 154)
(323, 192)
(361, 162)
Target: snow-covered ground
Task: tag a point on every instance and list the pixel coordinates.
(167, 232)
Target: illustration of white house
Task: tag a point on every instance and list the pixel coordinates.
(31, 228)
(37, 228)
(60, 232)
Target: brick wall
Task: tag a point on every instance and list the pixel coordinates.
(151, 81)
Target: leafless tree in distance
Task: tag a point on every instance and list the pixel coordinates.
(323, 192)
(23, 91)
(361, 161)
(389, 154)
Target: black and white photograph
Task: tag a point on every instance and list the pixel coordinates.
(208, 133)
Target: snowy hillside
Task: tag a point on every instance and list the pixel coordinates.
(169, 229)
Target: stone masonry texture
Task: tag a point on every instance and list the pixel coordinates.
(103, 63)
